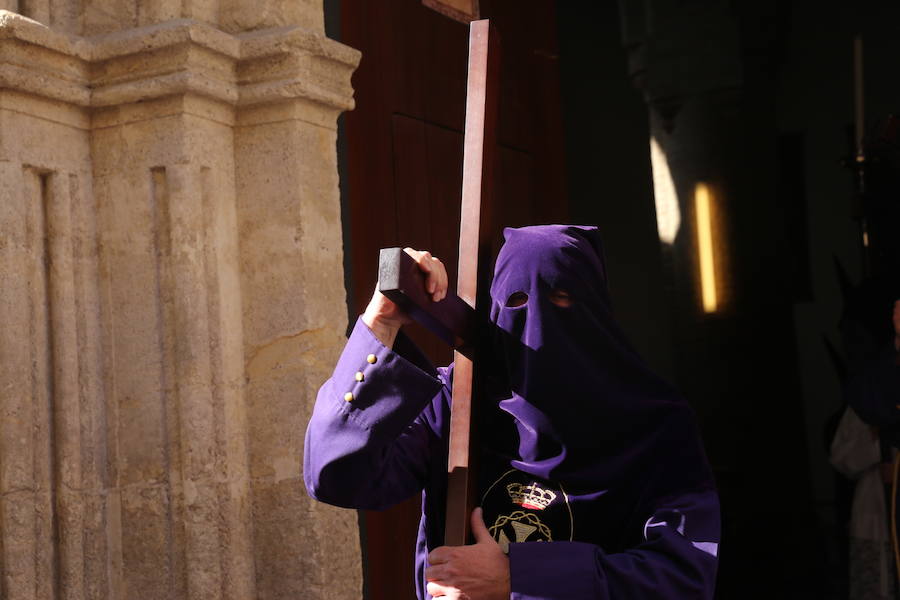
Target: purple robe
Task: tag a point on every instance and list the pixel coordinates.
(592, 474)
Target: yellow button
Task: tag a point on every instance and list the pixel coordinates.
(348, 396)
(371, 359)
(360, 376)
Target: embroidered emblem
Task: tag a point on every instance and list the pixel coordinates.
(530, 496)
(519, 507)
(522, 525)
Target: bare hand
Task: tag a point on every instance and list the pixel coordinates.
(385, 318)
(476, 572)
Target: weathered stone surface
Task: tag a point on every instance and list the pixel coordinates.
(169, 207)
(93, 17)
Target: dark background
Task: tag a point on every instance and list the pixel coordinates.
(754, 98)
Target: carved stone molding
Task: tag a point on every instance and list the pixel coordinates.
(176, 57)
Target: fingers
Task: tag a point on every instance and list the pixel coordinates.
(479, 530)
(437, 572)
(440, 570)
(436, 280)
(384, 317)
(442, 591)
(440, 555)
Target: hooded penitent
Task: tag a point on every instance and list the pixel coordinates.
(587, 412)
(581, 444)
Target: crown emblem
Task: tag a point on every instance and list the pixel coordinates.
(530, 496)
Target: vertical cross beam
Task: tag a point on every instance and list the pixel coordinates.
(475, 234)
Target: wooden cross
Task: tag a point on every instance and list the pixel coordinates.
(456, 318)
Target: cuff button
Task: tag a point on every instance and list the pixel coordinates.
(371, 359)
(348, 396)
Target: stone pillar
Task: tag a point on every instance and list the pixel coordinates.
(708, 72)
(689, 67)
(294, 302)
(170, 275)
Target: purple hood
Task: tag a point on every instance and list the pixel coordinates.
(587, 410)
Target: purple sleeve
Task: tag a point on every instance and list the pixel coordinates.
(368, 443)
(676, 560)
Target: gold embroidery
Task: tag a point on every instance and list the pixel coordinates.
(503, 542)
(541, 498)
(522, 530)
(530, 496)
(523, 525)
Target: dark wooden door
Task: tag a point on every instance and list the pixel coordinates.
(404, 171)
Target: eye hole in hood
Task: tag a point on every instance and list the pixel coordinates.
(516, 299)
(560, 298)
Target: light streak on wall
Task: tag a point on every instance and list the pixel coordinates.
(703, 207)
(668, 214)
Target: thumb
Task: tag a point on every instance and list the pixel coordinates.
(479, 530)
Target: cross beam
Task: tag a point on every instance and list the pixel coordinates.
(455, 318)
